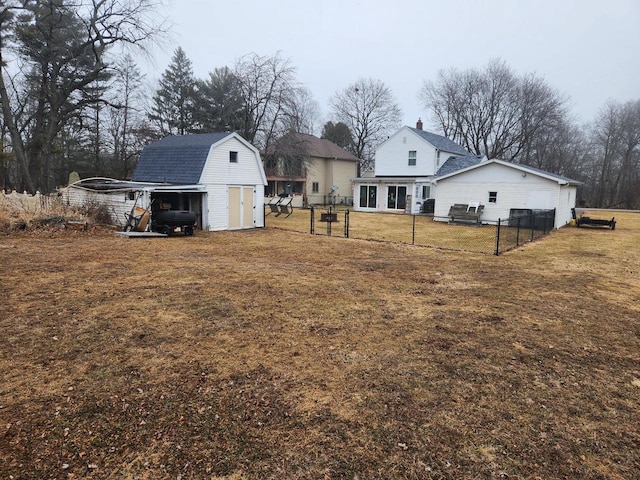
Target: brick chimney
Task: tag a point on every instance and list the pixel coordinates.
(419, 124)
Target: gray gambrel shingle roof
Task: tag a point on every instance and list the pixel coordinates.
(458, 162)
(177, 159)
(440, 142)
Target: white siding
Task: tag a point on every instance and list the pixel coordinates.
(117, 203)
(514, 190)
(258, 211)
(383, 189)
(218, 170)
(219, 173)
(218, 207)
(392, 157)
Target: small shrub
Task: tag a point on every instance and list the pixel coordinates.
(97, 213)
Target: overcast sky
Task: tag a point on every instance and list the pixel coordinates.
(588, 50)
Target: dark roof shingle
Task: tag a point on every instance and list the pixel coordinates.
(314, 146)
(458, 162)
(176, 159)
(440, 142)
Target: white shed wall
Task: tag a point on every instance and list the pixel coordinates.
(514, 190)
(217, 207)
(117, 203)
(218, 170)
(219, 174)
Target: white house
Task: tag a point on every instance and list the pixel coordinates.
(502, 188)
(405, 166)
(219, 176)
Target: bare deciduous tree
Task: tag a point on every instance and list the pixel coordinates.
(371, 112)
(267, 87)
(493, 112)
(125, 116)
(64, 49)
(616, 155)
(301, 112)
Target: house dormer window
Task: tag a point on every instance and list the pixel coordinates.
(233, 157)
(412, 157)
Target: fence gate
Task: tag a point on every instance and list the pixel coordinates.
(329, 218)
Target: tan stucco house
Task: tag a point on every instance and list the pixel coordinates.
(313, 170)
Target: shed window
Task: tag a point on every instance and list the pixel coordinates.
(233, 157)
(412, 157)
(493, 197)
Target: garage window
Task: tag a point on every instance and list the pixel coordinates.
(493, 197)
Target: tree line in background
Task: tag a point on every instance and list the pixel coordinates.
(73, 101)
(500, 114)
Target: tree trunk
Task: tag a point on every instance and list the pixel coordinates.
(16, 140)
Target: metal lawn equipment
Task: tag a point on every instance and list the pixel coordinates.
(170, 221)
(137, 218)
(582, 220)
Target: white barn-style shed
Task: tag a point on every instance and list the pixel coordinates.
(502, 186)
(226, 167)
(219, 176)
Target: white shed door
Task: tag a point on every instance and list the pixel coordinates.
(247, 207)
(241, 203)
(235, 209)
(539, 199)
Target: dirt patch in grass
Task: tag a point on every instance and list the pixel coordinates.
(276, 354)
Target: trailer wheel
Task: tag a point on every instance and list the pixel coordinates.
(188, 231)
(166, 229)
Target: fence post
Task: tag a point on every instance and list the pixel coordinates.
(498, 238)
(329, 223)
(532, 225)
(346, 223)
(312, 229)
(413, 234)
(518, 232)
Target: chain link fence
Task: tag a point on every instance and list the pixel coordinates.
(491, 238)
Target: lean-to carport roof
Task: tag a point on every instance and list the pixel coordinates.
(112, 185)
(177, 159)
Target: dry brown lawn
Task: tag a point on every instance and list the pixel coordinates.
(400, 228)
(277, 354)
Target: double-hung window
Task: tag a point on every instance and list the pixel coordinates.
(412, 158)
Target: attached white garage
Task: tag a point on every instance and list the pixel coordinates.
(502, 186)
